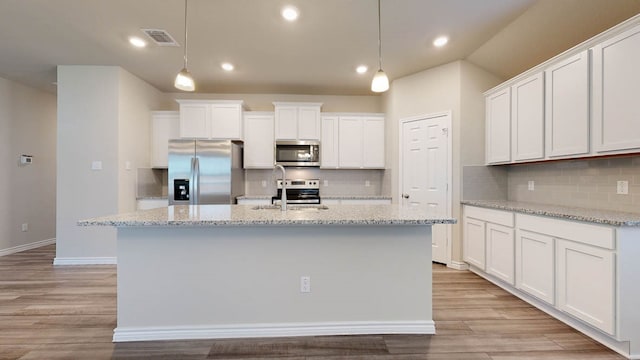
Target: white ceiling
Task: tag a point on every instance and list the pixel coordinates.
(315, 55)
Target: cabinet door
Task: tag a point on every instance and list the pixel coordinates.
(286, 126)
(498, 127)
(165, 125)
(500, 252)
(195, 121)
(226, 121)
(258, 142)
(329, 142)
(350, 142)
(527, 118)
(373, 143)
(586, 283)
(535, 265)
(616, 85)
(309, 123)
(567, 107)
(474, 242)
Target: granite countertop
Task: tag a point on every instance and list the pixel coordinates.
(245, 215)
(607, 217)
(350, 197)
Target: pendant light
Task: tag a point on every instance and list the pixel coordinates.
(380, 82)
(184, 81)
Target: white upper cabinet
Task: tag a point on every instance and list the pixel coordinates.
(361, 142)
(164, 126)
(211, 119)
(329, 142)
(527, 119)
(351, 142)
(498, 127)
(567, 107)
(297, 121)
(373, 143)
(258, 140)
(583, 102)
(616, 85)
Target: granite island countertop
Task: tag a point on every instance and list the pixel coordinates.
(246, 215)
(606, 217)
(325, 197)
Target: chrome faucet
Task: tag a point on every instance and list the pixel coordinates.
(283, 198)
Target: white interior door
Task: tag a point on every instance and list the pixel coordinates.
(425, 172)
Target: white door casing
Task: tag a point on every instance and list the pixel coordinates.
(425, 172)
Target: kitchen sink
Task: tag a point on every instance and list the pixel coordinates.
(292, 207)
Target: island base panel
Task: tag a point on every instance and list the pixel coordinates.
(220, 282)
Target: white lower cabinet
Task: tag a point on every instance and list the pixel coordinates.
(583, 273)
(146, 204)
(586, 283)
(488, 241)
(535, 265)
(500, 250)
(474, 242)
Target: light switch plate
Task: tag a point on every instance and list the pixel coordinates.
(96, 165)
(531, 185)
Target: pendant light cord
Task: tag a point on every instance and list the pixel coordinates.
(379, 41)
(186, 43)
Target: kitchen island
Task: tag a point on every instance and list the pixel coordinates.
(220, 271)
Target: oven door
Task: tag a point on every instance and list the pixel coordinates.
(297, 153)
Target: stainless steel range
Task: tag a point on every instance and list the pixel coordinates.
(299, 191)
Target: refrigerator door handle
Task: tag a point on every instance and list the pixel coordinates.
(196, 181)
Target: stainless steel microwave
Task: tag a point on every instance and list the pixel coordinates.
(297, 153)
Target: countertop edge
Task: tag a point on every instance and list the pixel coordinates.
(596, 216)
(232, 223)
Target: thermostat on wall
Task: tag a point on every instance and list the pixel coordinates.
(26, 159)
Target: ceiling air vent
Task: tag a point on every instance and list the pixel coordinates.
(160, 37)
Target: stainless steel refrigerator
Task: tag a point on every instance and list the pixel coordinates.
(205, 172)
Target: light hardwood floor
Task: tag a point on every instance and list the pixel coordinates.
(51, 312)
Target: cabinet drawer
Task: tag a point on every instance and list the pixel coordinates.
(595, 235)
(489, 215)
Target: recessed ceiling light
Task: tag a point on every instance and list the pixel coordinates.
(227, 66)
(290, 13)
(441, 41)
(362, 69)
(137, 42)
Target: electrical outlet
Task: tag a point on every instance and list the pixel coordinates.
(531, 185)
(264, 183)
(623, 187)
(305, 284)
(96, 165)
(326, 183)
(367, 183)
(25, 227)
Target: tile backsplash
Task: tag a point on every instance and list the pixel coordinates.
(332, 182)
(151, 182)
(484, 183)
(583, 183)
(588, 183)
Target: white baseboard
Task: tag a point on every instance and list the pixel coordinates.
(458, 265)
(85, 261)
(621, 347)
(272, 330)
(33, 245)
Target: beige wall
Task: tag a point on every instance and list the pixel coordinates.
(103, 115)
(455, 87)
(27, 193)
(136, 101)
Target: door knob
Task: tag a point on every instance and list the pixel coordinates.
(406, 196)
